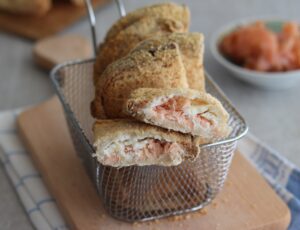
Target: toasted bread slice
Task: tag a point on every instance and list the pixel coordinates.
(160, 67)
(183, 110)
(191, 46)
(121, 44)
(167, 10)
(121, 143)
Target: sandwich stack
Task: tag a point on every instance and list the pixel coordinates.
(152, 113)
(149, 72)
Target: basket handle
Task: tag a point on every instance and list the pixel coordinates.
(121, 7)
(92, 19)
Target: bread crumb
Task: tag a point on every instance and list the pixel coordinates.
(224, 200)
(187, 217)
(214, 204)
(156, 221)
(156, 228)
(229, 183)
(179, 218)
(175, 218)
(202, 211)
(136, 224)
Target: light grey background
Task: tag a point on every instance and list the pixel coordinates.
(273, 116)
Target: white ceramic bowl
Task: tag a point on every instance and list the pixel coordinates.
(267, 80)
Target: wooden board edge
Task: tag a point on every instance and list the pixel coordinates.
(33, 35)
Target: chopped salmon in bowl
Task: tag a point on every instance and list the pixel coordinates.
(265, 53)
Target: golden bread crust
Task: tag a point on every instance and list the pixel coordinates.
(169, 10)
(122, 43)
(191, 46)
(156, 68)
(133, 128)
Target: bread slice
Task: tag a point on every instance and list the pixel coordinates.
(184, 110)
(121, 44)
(167, 10)
(34, 7)
(121, 143)
(156, 67)
(191, 46)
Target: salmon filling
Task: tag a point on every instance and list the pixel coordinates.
(145, 151)
(187, 115)
(175, 110)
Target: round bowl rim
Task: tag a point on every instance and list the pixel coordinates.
(228, 64)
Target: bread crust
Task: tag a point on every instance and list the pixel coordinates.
(170, 10)
(191, 46)
(122, 43)
(160, 67)
(133, 128)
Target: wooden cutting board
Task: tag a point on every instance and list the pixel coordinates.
(246, 202)
(62, 14)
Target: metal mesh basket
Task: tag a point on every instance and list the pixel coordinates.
(139, 193)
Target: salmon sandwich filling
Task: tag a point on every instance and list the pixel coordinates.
(130, 142)
(183, 110)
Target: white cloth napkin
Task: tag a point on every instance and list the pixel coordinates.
(41, 206)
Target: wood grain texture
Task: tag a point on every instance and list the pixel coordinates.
(246, 202)
(61, 15)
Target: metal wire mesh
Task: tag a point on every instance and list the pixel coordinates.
(139, 193)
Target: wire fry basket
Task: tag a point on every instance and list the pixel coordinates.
(140, 193)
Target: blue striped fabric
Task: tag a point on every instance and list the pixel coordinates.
(38, 203)
(281, 174)
(41, 208)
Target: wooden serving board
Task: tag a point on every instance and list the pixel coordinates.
(246, 202)
(62, 14)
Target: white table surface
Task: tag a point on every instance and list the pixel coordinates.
(274, 116)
